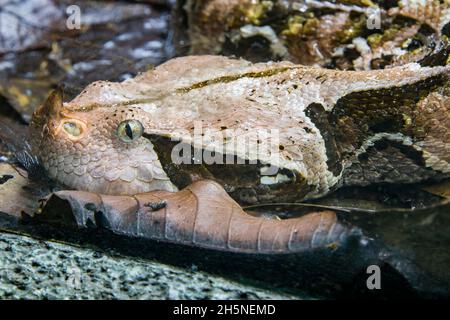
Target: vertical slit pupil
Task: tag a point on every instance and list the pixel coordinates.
(129, 131)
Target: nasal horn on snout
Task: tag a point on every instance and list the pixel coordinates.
(52, 106)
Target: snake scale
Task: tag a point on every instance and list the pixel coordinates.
(207, 117)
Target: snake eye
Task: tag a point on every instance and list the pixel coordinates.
(72, 128)
(129, 130)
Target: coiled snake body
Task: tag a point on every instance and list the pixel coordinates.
(265, 132)
(327, 125)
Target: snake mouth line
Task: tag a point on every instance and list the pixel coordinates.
(221, 146)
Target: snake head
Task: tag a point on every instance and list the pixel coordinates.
(98, 148)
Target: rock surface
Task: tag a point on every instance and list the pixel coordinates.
(33, 269)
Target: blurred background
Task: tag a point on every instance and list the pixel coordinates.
(46, 43)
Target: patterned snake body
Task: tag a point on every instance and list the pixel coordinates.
(331, 128)
(264, 132)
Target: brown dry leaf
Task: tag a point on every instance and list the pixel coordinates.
(115, 41)
(25, 24)
(23, 93)
(14, 200)
(201, 215)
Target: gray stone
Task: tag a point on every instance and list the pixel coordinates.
(33, 269)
